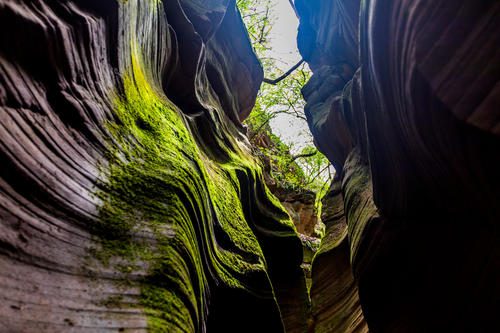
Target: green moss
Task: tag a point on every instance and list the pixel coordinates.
(161, 200)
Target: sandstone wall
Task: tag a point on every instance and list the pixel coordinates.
(404, 101)
(129, 199)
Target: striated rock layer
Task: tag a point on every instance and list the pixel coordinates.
(335, 303)
(300, 207)
(129, 199)
(405, 102)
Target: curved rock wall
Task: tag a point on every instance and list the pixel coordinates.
(129, 199)
(408, 113)
(335, 305)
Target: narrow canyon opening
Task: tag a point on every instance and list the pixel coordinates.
(150, 181)
(295, 171)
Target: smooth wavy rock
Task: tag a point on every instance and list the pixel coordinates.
(129, 199)
(335, 305)
(408, 113)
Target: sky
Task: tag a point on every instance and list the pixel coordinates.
(283, 35)
(283, 43)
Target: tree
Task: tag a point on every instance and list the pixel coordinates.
(292, 167)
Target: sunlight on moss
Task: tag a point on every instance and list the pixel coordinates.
(160, 185)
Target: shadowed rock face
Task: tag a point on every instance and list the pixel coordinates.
(335, 303)
(408, 113)
(129, 199)
(128, 195)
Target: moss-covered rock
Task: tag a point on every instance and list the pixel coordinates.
(141, 203)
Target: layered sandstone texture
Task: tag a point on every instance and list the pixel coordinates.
(129, 199)
(300, 205)
(405, 102)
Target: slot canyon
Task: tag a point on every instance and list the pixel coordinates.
(131, 199)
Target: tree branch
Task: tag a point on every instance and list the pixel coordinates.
(275, 81)
(299, 156)
(271, 116)
(319, 172)
(303, 155)
(265, 20)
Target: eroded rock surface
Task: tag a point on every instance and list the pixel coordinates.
(335, 305)
(129, 199)
(300, 206)
(405, 104)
